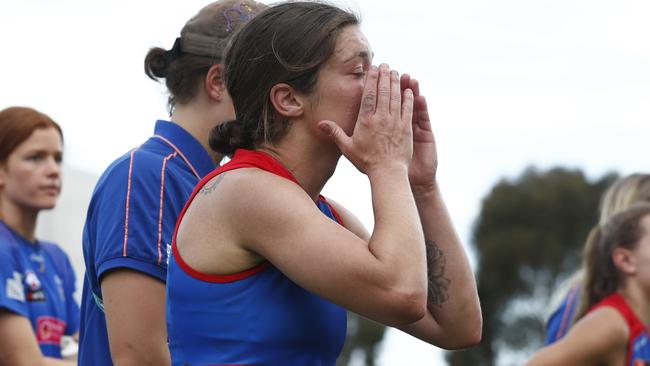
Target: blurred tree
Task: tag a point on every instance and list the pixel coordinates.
(527, 239)
(363, 337)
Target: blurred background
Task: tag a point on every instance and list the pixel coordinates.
(536, 105)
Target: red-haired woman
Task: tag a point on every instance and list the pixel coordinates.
(37, 282)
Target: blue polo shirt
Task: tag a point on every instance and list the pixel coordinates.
(37, 281)
(131, 219)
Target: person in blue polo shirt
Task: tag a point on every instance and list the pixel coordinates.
(133, 210)
(37, 282)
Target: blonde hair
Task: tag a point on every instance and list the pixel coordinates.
(621, 195)
(602, 276)
(625, 192)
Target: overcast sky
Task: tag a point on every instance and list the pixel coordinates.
(510, 83)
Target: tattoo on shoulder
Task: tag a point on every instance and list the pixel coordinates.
(438, 283)
(209, 188)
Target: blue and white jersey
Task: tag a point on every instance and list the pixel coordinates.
(131, 219)
(37, 281)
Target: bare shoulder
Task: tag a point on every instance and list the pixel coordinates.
(606, 324)
(238, 191)
(229, 202)
(598, 338)
(604, 334)
(350, 221)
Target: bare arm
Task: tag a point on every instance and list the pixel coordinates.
(600, 338)
(135, 317)
(458, 317)
(19, 347)
(454, 319)
(384, 279)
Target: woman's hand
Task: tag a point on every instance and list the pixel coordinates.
(423, 166)
(383, 134)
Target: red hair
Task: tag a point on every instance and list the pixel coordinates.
(17, 124)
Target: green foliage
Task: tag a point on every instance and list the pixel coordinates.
(527, 237)
(363, 336)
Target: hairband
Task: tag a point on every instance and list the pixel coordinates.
(174, 52)
(244, 12)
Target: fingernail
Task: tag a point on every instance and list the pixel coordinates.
(325, 128)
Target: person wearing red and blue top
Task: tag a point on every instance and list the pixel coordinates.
(614, 311)
(134, 207)
(625, 192)
(261, 273)
(282, 334)
(37, 282)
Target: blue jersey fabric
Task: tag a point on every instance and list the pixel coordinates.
(37, 281)
(257, 317)
(131, 219)
(563, 317)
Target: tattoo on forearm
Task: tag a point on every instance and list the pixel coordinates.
(209, 188)
(438, 283)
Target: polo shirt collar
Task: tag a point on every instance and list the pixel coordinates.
(187, 144)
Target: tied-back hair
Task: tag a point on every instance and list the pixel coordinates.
(201, 45)
(286, 43)
(182, 72)
(625, 192)
(602, 277)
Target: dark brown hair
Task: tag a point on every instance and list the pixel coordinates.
(182, 74)
(602, 277)
(286, 43)
(17, 124)
(200, 46)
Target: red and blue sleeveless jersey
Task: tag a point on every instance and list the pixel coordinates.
(638, 353)
(37, 281)
(256, 317)
(131, 219)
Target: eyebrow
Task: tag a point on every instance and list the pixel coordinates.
(43, 151)
(362, 54)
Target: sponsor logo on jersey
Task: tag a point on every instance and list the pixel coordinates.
(15, 289)
(49, 330)
(34, 290)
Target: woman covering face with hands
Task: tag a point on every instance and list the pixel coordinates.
(263, 266)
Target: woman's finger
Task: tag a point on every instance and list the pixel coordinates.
(383, 90)
(395, 94)
(369, 96)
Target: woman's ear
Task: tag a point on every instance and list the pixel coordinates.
(285, 100)
(624, 260)
(3, 173)
(214, 83)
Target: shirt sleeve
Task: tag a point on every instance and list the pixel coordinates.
(72, 307)
(135, 215)
(12, 289)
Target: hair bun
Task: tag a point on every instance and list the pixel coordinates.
(156, 64)
(229, 136)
